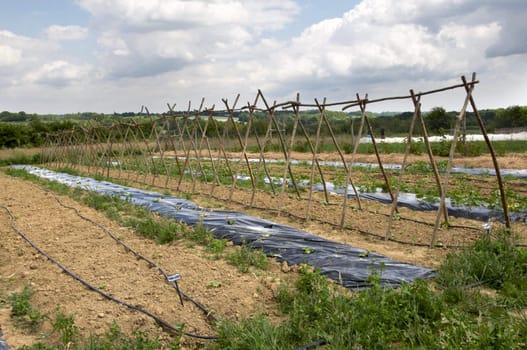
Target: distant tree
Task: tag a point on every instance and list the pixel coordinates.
(438, 120)
(511, 117)
(6, 116)
(37, 131)
(12, 135)
(243, 117)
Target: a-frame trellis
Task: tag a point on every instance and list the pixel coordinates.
(192, 147)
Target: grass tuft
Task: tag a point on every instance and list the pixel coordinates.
(245, 257)
(493, 262)
(23, 312)
(416, 315)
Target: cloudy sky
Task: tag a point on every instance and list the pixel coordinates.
(67, 56)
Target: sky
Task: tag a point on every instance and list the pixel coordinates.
(105, 56)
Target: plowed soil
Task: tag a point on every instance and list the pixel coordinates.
(91, 254)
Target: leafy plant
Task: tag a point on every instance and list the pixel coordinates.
(441, 148)
(415, 315)
(493, 262)
(23, 312)
(216, 247)
(214, 284)
(21, 158)
(245, 257)
(161, 229)
(467, 196)
(418, 167)
(65, 325)
(417, 148)
(199, 234)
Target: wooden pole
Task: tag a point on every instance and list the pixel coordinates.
(184, 130)
(242, 145)
(449, 164)
(442, 203)
(314, 151)
(282, 144)
(261, 148)
(417, 108)
(222, 151)
(317, 163)
(379, 161)
(288, 157)
(350, 167)
(468, 89)
(172, 137)
(339, 151)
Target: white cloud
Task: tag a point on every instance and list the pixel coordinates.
(25, 61)
(56, 32)
(391, 43)
(59, 73)
(113, 44)
(139, 38)
(181, 14)
(25, 44)
(9, 56)
(212, 48)
(20, 54)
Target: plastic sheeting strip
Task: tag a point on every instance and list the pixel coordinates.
(3, 344)
(410, 200)
(345, 264)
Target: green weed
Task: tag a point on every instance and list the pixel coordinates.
(256, 333)
(160, 229)
(112, 339)
(245, 257)
(23, 312)
(199, 234)
(217, 247)
(415, 315)
(493, 262)
(65, 326)
(22, 174)
(21, 158)
(419, 167)
(69, 171)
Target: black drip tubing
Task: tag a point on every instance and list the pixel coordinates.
(150, 262)
(167, 326)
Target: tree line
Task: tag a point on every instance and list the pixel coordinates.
(20, 129)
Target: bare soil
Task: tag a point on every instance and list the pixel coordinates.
(90, 253)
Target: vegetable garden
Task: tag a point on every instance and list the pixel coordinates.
(408, 206)
(290, 173)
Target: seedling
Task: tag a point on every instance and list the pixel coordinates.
(307, 250)
(214, 284)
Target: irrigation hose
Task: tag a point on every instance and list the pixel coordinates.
(210, 316)
(127, 247)
(164, 324)
(150, 262)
